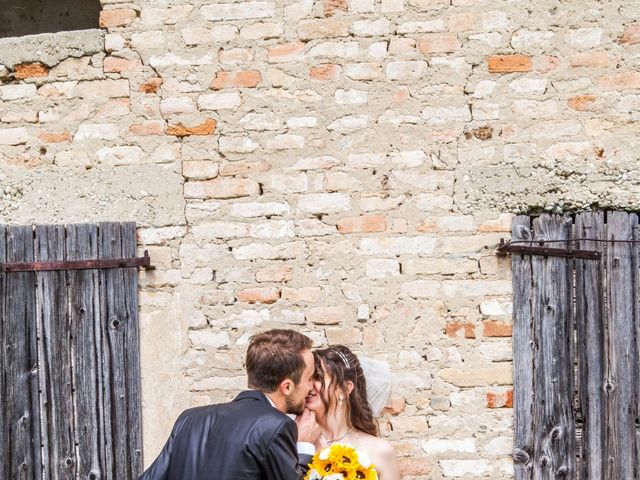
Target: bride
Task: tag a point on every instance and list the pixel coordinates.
(343, 410)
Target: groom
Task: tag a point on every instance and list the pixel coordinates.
(250, 437)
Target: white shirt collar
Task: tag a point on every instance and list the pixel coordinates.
(270, 401)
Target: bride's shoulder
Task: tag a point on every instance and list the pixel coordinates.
(383, 456)
(377, 446)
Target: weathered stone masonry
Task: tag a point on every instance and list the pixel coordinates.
(342, 168)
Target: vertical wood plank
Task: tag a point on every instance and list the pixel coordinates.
(522, 353)
(591, 346)
(104, 355)
(132, 351)
(86, 334)
(622, 375)
(22, 406)
(554, 444)
(114, 324)
(636, 313)
(55, 359)
(4, 423)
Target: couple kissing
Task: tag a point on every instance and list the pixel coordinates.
(254, 437)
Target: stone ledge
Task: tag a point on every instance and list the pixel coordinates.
(50, 48)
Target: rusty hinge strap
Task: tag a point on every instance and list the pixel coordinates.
(144, 262)
(529, 249)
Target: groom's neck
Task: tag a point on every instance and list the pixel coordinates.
(276, 400)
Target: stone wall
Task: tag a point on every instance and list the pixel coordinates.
(345, 168)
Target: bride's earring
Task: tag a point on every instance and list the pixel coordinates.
(341, 400)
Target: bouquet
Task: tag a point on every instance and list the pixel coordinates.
(341, 462)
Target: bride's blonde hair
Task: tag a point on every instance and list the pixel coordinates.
(343, 366)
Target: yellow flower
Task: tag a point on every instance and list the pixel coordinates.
(340, 460)
(343, 455)
(369, 473)
(320, 465)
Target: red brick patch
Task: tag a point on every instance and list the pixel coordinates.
(205, 128)
(509, 63)
(151, 127)
(259, 295)
(500, 399)
(395, 406)
(285, 51)
(31, 70)
(546, 63)
(590, 60)
(151, 86)
(414, 467)
(493, 328)
(460, 330)
(241, 168)
(620, 81)
(631, 35)
(118, 17)
(331, 7)
(117, 64)
(581, 102)
(55, 137)
(328, 71)
(275, 273)
(362, 224)
(241, 79)
(439, 43)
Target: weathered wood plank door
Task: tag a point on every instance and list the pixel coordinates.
(70, 392)
(591, 345)
(576, 349)
(21, 452)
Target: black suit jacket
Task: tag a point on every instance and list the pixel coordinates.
(246, 439)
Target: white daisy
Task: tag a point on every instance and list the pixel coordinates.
(314, 475)
(363, 458)
(324, 454)
(334, 476)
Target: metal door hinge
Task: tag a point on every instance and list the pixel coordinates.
(528, 248)
(144, 262)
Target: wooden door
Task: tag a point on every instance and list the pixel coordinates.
(576, 324)
(70, 356)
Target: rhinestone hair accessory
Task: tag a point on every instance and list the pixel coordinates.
(344, 358)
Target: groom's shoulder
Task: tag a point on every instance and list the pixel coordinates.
(255, 403)
(196, 413)
(248, 406)
(254, 408)
(258, 403)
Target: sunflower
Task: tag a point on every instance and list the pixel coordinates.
(368, 473)
(343, 462)
(320, 465)
(344, 455)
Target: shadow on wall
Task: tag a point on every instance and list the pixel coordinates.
(29, 17)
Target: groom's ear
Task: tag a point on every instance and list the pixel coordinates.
(286, 386)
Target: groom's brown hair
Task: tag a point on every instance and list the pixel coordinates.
(275, 355)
